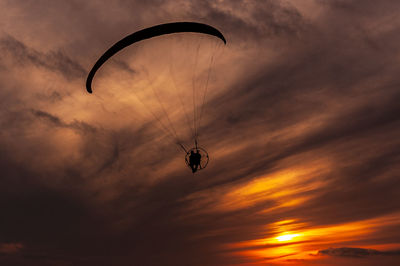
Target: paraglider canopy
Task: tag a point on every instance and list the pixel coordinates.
(154, 31)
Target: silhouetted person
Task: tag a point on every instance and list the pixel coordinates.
(194, 160)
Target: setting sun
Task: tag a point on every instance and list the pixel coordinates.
(286, 237)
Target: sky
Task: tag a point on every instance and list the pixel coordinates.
(301, 124)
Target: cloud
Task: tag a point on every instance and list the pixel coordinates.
(91, 180)
(356, 252)
(52, 61)
(55, 121)
(254, 21)
(10, 247)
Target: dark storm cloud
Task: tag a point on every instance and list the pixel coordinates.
(357, 252)
(53, 61)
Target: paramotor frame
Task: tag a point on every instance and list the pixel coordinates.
(204, 157)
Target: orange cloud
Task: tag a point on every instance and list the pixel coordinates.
(291, 239)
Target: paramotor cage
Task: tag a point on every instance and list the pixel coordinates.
(204, 157)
